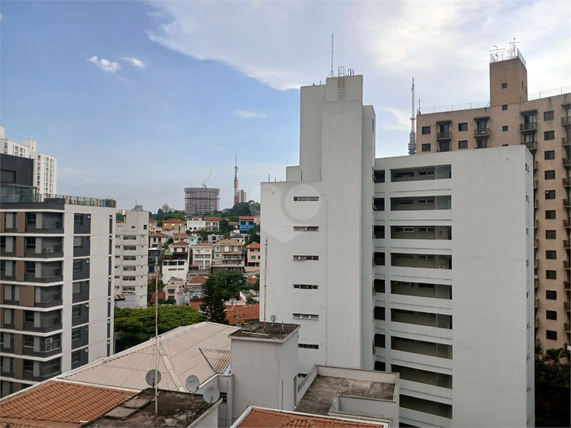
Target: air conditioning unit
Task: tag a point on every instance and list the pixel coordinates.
(49, 250)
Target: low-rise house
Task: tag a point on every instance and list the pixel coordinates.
(201, 255)
(238, 237)
(195, 224)
(213, 238)
(228, 256)
(180, 249)
(211, 223)
(157, 239)
(174, 224)
(174, 268)
(195, 286)
(243, 314)
(245, 223)
(152, 226)
(253, 255)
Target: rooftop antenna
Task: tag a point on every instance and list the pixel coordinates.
(412, 140)
(331, 73)
(513, 48)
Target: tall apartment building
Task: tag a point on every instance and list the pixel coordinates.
(543, 125)
(419, 265)
(201, 200)
(45, 166)
(56, 284)
(132, 256)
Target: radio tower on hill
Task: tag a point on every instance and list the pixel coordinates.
(236, 197)
(412, 140)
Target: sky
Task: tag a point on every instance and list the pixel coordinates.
(138, 100)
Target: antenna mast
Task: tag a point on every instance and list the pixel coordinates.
(265, 280)
(157, 337)
(331, 73)
(236, 198)
(412, 140)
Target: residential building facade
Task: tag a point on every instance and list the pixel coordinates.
(253, 256)
(543, 125)
(202, 256)
(245, 223)
(227, 256)
(201, 200)
(132, 256)
(453, 316)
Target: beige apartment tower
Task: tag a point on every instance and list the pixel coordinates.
(543, 125)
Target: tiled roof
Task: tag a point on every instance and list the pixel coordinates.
(180, 357)
(211, 218)
(203, 244)
(198, 280)
(252, 279)
(253, 246)
(180, 235)
(233, 223)
(59, 404)
(181, 244)
(280, 419)
(195, 304)
(245, 313)
(174, 220)
(246, 218)
(158, 234)
(228, 242)
(161, 296)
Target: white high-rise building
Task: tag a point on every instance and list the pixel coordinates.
(45, 166)
(132, 255)
(419, 265)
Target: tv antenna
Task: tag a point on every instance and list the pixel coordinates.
(331, 73)
(211, 394)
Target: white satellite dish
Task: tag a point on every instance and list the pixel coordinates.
(150, 377)
(273, 318)
(192, 383)
(211, 394)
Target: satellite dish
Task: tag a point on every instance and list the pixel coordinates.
(192, 383)
(273, 319)
(211, 394)
(150, 377)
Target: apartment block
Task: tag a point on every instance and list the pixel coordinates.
(56, 285)
(45, 166)
(437, 283)
(202, 256)
(543, 125)
(132, 256)
(201, 200)
(227, 256)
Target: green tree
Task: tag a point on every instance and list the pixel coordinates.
(151, 283)
(225, 228)
(177, 216)
(134, 326)
(213, 306)
(551, 388)
(232, 283)
(253, 236)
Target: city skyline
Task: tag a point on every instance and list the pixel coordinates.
(140, 100)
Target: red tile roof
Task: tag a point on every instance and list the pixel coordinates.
(279, 419)
(162, 296)
(245, 313)
(60, 404)
(158, 234)
(253, 246)
(211, 218)
(198, 280)
(181, 244)
(180, 235)
(174, 220)
(233, 223)
(252, 279)
(246, 218)
(195, 304)
(203, 244)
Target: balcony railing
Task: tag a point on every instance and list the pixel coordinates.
(528, 126)
(531, 145)
(566, 223)
(535, 165)
(535, 182)
(566, 120)
(566, 326)
(566, 243)
(567, 305)
(535, 243)
(56, 199)
(566, 142)
(566, 182)
(566, 202)
(443, 135)
(536, 303)
(482, 132)
(566, 162)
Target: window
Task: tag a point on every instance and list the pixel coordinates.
(299, 257)
(551, 335)
(426, 147)
(307, 346)
(305, 316)
(75, 334)
(305, 287)
(550, 194)
(551, 254)
(551, 315)
(549, 135)
(550, 234)
(77, 265)
(78, 219)
(130, 237)
(76, 311)
(481, 126)
(28, 341)
(463, 126)
(306, 198)
(76, 357)
(551, 294)
(504, 107)
(29, 316)
(504, 85)
(28, 366)
(129, 247)
(550, 175)
(30, 243)
(550, 214)
(463, 144)
(306, 228)
(551, 274)
(549, 154)
(504, 128)
(548, 115)
(425, 130)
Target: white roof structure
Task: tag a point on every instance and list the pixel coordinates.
(201, 349)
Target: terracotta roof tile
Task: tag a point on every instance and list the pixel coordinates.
(158, 234)
(276, 419)
(60, 404)
(246, 313)
(228, 242)
(252, 280)
(181, 244)
(203, 244)
(162, 296)
(246, 218)
(180, 235)
(174, 220)
(198, 280)
(211, 218)
(253, 246)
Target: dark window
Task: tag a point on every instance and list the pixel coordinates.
(426, 147)
(77, 265)
(551, 315)
(463, 144)
(551, 254)
(550, 194)
(75, 357)
(463, 126)
(551, 294)
(549, 154)
(78, 219)
(549, 135)
(551, 274)
(75, 334)
(504, 85)
(551, 335)
(550, 234)
(550, 175)
(425, 130)
(29, 316)
(28, 341)
(548, 115)
(504, 128)
(76, 311)
(28, 366)
(505, 107)
(550, 214)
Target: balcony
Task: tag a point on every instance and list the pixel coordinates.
(566, 202)
(536, 322)
(47, 272)
(567, 306)
(483, 132)
(46, 248)
(566, 120)
(535, 243)
(566, 264)
(535, 165)
(566, 326)
(531, 145)
(535, 182)
(444, 135)
(566, 162)
(566, 243)
(566, 223)
(566, 285)
(566, 182)
(536, 283)
(566, 142)
(536, 303)
(528, 126)
(536, 224)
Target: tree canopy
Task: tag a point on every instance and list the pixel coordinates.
(134, 326)
(177, 216)
(213, 304)
(551, 388)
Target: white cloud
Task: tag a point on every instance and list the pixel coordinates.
(249, 114)
(134, 61)
(104, 64)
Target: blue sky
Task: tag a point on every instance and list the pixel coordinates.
(138, 100)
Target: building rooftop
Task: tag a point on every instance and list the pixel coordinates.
(282, 419)
(246, 218)
(211, 218)
(184, 351)
(174, 220)
(324, 390)
(198, 280)
(257, 330)
(253, 246)
(59, 404)
(40, 198)
(228, 242)
(203, 244)
(242, 314)
(175, 409)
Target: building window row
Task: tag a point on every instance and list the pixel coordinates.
(305, 257)
(305, 287)
(305, 316)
